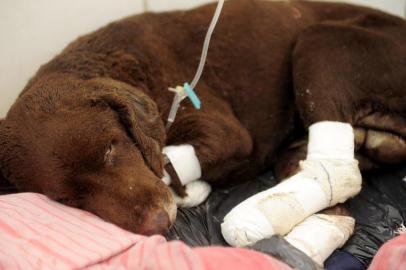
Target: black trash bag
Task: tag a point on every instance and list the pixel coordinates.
(278, 247)
(200, 226)
(379, 211)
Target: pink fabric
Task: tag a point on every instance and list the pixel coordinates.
(37, 233)
(391, 256)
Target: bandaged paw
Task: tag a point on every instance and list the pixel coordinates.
(184, 161)
(197, 192)
(318, 185)
(319, 235)
(323, 181)
(187, 167)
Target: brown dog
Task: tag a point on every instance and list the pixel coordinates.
(88, 129)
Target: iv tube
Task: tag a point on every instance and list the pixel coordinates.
(206, 43)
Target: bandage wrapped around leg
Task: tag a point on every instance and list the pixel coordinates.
(197, 192)
(186, 165)
(319, 235)
(328, 176)
(330, 140)
(184, 161)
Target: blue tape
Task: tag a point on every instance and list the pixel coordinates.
(192, 96)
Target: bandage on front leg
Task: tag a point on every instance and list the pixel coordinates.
(197, 192)
(184, 161)
(328, 176)
(187, 167)
(319, 235)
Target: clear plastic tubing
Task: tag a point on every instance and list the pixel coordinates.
(207, 43)
(177, 99)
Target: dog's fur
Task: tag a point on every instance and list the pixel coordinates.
(88, 129)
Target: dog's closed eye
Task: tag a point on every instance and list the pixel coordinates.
(109, 155)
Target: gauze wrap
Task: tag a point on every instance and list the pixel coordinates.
(328, 176)
(319, 235)
(197, 192)
(184, 160)
(187, 166)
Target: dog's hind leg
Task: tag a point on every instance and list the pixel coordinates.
(289, 158)
(336, 68)
(329, 175)
(337, 81)
(354, 72)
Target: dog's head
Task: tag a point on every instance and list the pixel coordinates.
(91, 144)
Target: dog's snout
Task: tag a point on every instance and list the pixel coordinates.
(162, 221)
(171, 209)
(156, 223)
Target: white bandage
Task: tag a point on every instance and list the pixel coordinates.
(184, 161)
(197, 192)
(319, 235)
(319, 184)
(330, 140)
(187, 166)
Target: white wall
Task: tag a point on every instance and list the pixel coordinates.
(397, 7)
(161, 5)
(32, 32)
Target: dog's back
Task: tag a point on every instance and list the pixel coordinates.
(249, 64)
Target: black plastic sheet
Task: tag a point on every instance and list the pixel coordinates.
(278, 247)
(200, 226)
(379, 210)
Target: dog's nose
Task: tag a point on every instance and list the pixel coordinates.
(157, 223)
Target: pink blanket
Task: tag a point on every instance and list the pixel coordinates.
(37, 233)
(391, 256)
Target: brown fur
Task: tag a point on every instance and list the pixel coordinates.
(89, 127)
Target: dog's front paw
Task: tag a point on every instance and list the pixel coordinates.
(197, 192)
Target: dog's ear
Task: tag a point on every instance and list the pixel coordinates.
(5, 186)
(139, 114)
